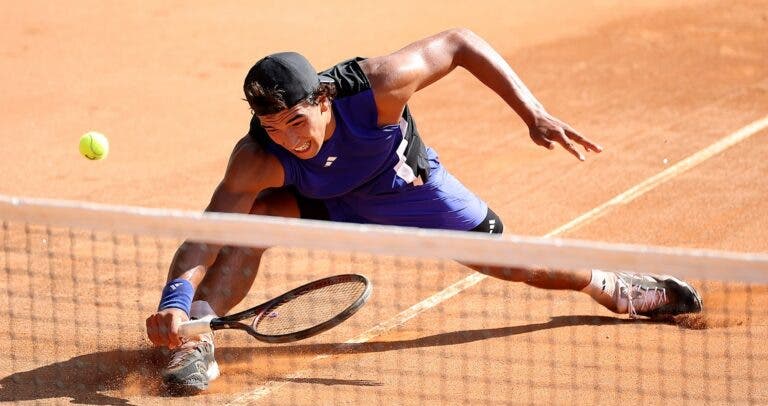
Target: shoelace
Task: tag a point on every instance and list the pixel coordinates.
(181, 354)
(641, 298)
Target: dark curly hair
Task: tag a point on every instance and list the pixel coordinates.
(269, 101)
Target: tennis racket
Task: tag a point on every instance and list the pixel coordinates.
(298, 314)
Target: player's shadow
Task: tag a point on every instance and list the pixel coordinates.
(329, 381)
(110, 377)
(85, 378)
(442, 339)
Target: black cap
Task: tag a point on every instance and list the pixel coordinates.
(288, 72)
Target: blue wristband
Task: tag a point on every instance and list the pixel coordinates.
(177, 293)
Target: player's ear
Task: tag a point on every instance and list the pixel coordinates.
(324, 102)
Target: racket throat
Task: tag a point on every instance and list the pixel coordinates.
(196, 327)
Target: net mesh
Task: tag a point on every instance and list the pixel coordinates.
(76, 298)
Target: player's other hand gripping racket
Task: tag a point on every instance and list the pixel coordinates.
(301, 313)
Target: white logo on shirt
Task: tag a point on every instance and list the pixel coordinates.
(329, 161)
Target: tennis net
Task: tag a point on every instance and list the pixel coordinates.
(80, 278)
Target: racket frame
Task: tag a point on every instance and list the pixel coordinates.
(234, 321)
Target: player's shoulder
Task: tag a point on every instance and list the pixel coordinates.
(384, 72)
(249, 155)
(249, 149)
(251, 165)
(246, 146)
(374, 67)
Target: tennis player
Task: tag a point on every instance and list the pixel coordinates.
(343, 146)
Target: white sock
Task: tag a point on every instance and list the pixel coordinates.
(601, 286)
(198, 310)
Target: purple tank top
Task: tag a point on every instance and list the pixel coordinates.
(360, 156)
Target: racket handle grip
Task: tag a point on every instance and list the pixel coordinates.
(195, 327)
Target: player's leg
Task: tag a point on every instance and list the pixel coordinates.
(444, 203)
(621, 292)
(538, 277)
(231, 276)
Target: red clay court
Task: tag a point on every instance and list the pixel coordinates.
(653, 83)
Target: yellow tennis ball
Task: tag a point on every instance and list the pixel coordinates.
(94, 145)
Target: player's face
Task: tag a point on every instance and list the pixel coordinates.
(301, 129)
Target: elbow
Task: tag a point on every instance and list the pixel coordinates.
(460, 32)
(459, 37)
(462, 41)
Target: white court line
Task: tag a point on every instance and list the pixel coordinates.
(471, 280)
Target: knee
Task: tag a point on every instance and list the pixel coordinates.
(491, 224)
(276, 202)
(262, 208)
(240, 254)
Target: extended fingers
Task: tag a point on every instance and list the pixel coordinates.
(587, 144)
(570, 146)
(561, 133)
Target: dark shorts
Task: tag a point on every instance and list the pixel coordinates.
(316, 210)
(441, 203)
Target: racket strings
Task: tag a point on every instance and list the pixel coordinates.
(309, 308)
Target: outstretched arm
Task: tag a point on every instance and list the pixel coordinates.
(250, 171)
(396, 77)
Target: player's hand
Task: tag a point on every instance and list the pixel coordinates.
(548, 131)
(163, 327)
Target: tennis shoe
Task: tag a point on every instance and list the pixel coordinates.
(191, 367)
(654, 295)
